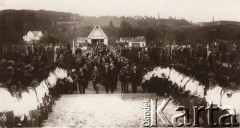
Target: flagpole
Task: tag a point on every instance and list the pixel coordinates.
(208, 51)
(73, 49)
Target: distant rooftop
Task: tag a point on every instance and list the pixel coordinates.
(138, 39)
(132, 39)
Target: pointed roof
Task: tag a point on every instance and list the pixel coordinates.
(97, 33)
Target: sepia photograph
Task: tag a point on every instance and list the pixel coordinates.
(119, 63)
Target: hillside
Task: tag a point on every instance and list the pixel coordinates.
(64, 27)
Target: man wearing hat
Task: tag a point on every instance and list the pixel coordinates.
(6, 78)
(74, 76)
(164, 85)
(211, 82)
(27, 77)
(81, 80)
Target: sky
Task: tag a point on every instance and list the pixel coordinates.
(195, 10)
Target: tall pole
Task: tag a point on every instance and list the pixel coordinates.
(214, 57)
(208, 51)
(73, 48)
(228, 59)
(55, 54)
(170, 52)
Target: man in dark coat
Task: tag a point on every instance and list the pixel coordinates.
(82, 80)
(69, 60)
(211, 82)
(113, 78)
(6, 78)
(135, 79)
(27, 77)
(87, 75)
(124, 78)
(105, 78)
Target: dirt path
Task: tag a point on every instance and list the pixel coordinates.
(99, 110)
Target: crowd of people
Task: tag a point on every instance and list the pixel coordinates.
(107, 65)
(21, 68)
(198, 61)
(104, 66)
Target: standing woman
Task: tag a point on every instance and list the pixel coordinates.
(96, 79)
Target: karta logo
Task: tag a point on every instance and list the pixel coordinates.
(154, 113)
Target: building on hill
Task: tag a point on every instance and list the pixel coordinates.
(125, 39)
(139, 41)
(217, 23)
(33, 37)
(97, 36)
(81, 41)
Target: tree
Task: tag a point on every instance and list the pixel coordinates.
(142, 23)
(111, 24)
(180, 38)
(50, 40)
(125, 25)
(150, 34)
(125, 29)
